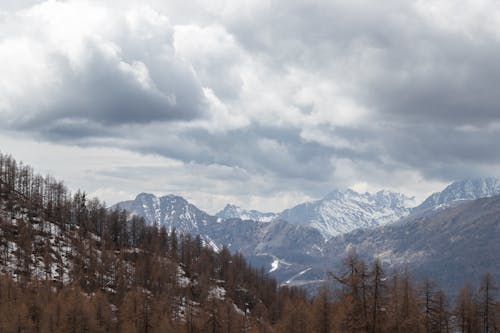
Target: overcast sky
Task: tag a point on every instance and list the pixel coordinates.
(258, 103)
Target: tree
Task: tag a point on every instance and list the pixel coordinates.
(378, 296)
(354, 281)
(466, 312)
(487, 303)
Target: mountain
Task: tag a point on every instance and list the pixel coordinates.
(291, 242)
(302, 243)
(468, 189)
(263, 243)
(451, 247)
(344, 211)
(233, 211)
(170, 211)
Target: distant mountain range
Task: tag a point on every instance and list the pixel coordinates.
(344, 211)
(300, 244)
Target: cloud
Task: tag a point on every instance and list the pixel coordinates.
(288, 98)
(85, 69)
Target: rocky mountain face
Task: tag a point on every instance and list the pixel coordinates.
(337, 213)
(469, 189)
(344, 211)
(233, 211)
(170, 211)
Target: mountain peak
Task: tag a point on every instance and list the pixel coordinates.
(230, 206)
(339, 194)
(465, 189)
(342, 211)
(229, 211)
(145, 196)
(170, 211)
(232, 211)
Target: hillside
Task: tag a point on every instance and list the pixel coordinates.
(279, 246)
(106, 272)
(451, 247)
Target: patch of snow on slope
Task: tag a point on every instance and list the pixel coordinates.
(274, 265)
(217, 293)
(298, 275)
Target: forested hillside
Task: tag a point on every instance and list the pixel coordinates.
(70, 265)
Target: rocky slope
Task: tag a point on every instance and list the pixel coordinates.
(170, 211)
(344, 211)
(469, 189)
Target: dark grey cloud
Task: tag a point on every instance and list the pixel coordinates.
(421, 82)
(418, 72)
(98, 85)
(451, 81)
(278, 151)
(444, 153)
(108, 93)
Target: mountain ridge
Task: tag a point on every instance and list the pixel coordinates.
(297, 250)
(233, 211)
(342, 211)
(466, 189)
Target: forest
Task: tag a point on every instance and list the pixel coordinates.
(69, 264)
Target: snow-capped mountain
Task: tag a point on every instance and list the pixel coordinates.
(299, 243)
(233, 211)
(452, 246)
(263, 243)
(344, 211)
(170, 211)
(468, 189)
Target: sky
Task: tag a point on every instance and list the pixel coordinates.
(264, 104)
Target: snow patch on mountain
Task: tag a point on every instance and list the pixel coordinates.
(298, 275)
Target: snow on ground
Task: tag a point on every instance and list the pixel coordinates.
(297, 275)
(274, 265)
(182, 280)
(217, 293)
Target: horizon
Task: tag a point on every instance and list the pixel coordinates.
(416, 201)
